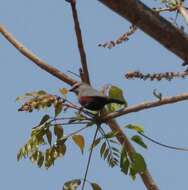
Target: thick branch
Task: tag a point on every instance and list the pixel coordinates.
(27, 53)
(80, 42)
(147, 105)
(153, 24)
(122, 138)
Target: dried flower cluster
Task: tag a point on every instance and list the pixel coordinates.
(38, 100)
(121, 39)
(156, 76)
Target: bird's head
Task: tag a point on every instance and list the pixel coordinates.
(83, 89)
(79, 87)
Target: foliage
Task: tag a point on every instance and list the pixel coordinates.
(133, 164)
(117, 93)
(75, 183)
(47, 141)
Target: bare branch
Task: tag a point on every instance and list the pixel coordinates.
(80, 42)
(153, 24)
(27, 53)
(147, 105)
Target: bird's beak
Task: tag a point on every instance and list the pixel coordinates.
(75, 86)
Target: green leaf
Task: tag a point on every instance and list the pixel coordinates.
(54, 153)
(61, 148)
(41, 92)
(115, 149)
(137, 139)
(49, 161)
(132, 173)
(58, 108)
(44, 119)
(72, 185)
(124, 162)
(40, 160)
(79, 141)
(116, 93)
(138, 162)
(63, 91)
(20, 154)
(49, 136)
(135, 127)
(33, 157)
(91, 123)
(58, 131)
(95, 143)
(103, 147)
(111, 134)
(125, 167)
(95, 186)
(106, 153)
(114, 141)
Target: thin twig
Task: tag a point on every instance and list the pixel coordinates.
(80, 42)
(27, 53)
(147, 105)
(74, 123)
(165, 9)
(161, 144)
(72, 118)
(77, 131)
(90, 154)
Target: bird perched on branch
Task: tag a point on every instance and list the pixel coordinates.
(92, 99)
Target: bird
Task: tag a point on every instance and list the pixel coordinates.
(91, 98)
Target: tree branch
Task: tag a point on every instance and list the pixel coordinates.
(153, 24)
(147, 105)
(80, 42)
(27, 53)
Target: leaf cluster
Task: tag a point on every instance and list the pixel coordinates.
(42, 135)
(75, 183)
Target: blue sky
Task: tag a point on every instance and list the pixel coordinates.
(46, 28)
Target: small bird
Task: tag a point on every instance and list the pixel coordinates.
(92, 99)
